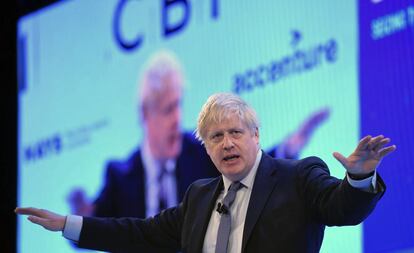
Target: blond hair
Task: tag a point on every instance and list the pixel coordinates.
(219, 107)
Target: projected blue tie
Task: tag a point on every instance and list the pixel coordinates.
(225, 220)
(162, 191)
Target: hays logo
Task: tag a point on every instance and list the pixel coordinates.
(63, 141)
(43, 148)
(171, 23)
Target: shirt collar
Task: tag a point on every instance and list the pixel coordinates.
(248, 180)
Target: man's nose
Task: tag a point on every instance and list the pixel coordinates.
(227, 142)
(176, 117)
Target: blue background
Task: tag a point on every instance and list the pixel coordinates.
(387, 94)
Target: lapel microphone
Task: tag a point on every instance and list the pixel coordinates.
(222, 209)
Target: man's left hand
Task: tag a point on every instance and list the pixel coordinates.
(367, 155)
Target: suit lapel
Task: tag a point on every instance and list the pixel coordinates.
(264, 184)
(202, 218)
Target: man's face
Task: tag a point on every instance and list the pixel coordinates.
(162, 122)
(232, 147)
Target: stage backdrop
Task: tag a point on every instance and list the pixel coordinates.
(80, 61)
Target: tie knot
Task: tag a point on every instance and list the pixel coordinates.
(163, 171)
(235, 186)
(231, 194)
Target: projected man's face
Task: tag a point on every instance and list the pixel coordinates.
(163, 121)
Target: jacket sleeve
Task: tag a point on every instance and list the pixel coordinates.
(162, 231)
(331, 201)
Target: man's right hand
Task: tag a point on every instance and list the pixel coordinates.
(49, 220)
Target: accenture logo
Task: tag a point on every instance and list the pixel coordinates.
(298, 62)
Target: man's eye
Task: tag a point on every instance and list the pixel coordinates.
(216, 137)
(236, 133)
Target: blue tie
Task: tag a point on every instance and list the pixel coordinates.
(223, 233)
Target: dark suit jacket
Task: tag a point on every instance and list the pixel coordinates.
(290, 204)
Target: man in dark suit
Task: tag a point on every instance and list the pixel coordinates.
(157, 174)
(259, 204)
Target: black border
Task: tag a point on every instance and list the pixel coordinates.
(8, 179)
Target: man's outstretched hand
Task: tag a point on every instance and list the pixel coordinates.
(367, 155)
(49, 220)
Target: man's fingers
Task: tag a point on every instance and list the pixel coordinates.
(49, 224)
(385, 151)
(28, 211)
(338, 156)
(37, 220)
(381, 144)
(364, 142)
(31, 211)
(49, 220)
(374, 141)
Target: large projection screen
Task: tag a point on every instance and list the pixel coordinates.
(80, 62)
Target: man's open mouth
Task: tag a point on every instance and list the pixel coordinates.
(230, 157)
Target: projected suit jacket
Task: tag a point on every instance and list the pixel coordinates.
(124, 194)
(290, 204)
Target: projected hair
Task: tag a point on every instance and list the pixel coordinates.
(155, 77)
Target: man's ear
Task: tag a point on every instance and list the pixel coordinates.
(207, 149)
(208, 152)
(144, 113)
(256, 134)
